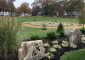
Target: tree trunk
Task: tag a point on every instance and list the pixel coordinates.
(24, 13)
(61, 11)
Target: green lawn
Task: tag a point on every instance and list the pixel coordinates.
(27, 32)
(74, 55)
(50, 19)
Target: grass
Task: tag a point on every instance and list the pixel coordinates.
(27, 32)
(49, 19)
(74, 55)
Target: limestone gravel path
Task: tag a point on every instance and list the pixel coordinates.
(74, 26)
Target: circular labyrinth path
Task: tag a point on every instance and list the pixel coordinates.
(39, 24)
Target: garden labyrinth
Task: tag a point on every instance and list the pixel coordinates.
(39, 24)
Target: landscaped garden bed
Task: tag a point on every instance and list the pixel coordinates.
(56, 43)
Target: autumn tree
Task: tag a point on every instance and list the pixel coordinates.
(24, 8)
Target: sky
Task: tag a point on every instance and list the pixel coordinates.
(17, 3)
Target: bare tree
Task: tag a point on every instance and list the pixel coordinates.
(7, 5)
(3, 6)
(11, 6)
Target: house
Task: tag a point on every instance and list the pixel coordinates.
(5, 13)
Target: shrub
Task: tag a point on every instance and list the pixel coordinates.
(55, 42)
(8, 33)
(82, 30)
(51, 35)
(60, 30)
(62, 34)
(65, 44)
(73, 45)
(34, 37)
(44, 27)
(46, 45)
(52, 50)
(56, 46)
(50, 55)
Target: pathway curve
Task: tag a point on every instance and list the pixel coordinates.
(74, 26)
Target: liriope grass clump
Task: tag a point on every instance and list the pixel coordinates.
(8, 33)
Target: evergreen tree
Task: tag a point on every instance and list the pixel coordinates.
(60, 30)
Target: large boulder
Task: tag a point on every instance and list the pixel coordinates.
(75, 37)
(31, 50)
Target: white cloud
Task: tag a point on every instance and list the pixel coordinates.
(17, 3)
